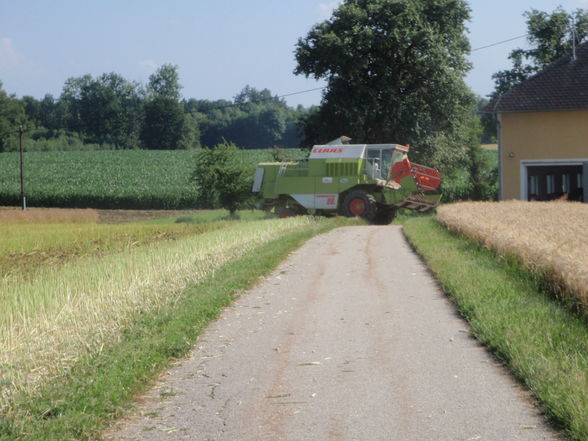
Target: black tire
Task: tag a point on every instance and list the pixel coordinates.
(358, 203)
(290, 211)
(284, 212)
(384, 215)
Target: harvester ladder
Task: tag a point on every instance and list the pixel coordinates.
(282, 170)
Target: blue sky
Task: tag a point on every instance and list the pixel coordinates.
(219, 45)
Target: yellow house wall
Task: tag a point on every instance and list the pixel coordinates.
(539, 135)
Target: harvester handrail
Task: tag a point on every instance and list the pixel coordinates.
(284, 167)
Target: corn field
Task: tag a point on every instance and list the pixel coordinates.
(131, 179)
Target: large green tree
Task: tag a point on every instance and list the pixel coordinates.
(53, 113)
(550, 36)
(165, 82)
(106, 109)
(395, 73)
(166, 125)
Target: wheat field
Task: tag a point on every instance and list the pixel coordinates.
(549, 238)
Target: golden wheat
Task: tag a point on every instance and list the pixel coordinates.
(548, 237)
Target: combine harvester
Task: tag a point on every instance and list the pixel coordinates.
(357, 180)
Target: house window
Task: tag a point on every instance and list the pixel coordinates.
(550, 184)
(565, 183)
(533, 186)
(579, 180)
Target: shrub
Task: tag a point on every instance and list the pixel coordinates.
(222, 178)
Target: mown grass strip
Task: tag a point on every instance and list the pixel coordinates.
(98, 389)
(544, 344)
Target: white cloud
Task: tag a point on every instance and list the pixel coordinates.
(9, 58)
(326, 9)
(148, 65)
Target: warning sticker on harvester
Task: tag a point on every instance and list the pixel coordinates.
(326, 201)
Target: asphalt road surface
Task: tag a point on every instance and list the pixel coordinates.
(349, 339)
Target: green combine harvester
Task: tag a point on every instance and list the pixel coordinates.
(356, 180)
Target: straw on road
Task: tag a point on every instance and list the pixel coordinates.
(349, 339)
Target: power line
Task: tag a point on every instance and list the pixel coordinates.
(473, 50)
(225, 106)
(302, 91)
(499, 42)
(324, 87)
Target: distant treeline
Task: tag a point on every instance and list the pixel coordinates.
(110, 112)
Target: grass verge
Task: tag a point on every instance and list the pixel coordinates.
(543, 344)
(99, 388)
(535, 234)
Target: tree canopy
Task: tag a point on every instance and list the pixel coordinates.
(253, 119)
(106, 109)
(165, 82)
(166, 125)
(394, 70)
(109, 111)
(11, 116)
(550, 36)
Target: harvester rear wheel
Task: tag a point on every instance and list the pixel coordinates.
(384, 215)
(358, 203)
(284, 212)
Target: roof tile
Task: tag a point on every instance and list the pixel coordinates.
(563, 85)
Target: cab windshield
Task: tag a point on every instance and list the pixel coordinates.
(379, 162)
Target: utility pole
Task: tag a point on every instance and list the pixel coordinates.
(21, 130)
(573, 39)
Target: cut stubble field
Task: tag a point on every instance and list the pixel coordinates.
(79, 284)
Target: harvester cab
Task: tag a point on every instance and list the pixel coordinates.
(364, 180)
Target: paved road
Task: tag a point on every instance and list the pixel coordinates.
(349, 339)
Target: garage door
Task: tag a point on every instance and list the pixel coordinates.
(585, 180)
(550, 182)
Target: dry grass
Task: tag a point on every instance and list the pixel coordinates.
(50, 321)
(13, 215)
(550, 238)
(121, 216)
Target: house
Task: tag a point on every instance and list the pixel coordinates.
(543, 133)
